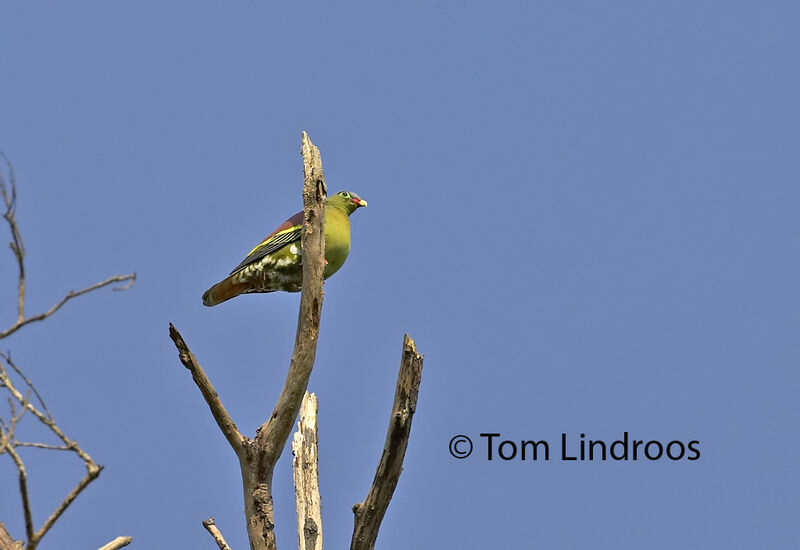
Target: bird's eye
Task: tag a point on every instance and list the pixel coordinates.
(345, 194)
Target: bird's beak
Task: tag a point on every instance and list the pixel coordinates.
(360, 202)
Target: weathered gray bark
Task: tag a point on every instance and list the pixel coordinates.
(305, 467)
(369, 514)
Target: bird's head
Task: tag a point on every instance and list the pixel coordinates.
(345, 200)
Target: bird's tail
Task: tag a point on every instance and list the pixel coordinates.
(223, 291)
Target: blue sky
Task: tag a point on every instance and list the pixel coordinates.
(586, 216)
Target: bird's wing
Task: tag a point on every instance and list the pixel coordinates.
(288, 232)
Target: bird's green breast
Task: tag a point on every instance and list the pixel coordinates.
(337, 239)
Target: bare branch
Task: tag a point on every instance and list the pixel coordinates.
(7, 357)
(23, 489)
(274, 432)
(7, 542)
(5, 436)
(41, 446)
(21, 322)
(93, 470)
(8, 191)
(7, 431)
(91, 474)
(369, 514)
(211, 527)
(17, 246)
(117, 543)
(259, 462)
(224, 421)
(8, 440)
(46, 420)
(306, 476)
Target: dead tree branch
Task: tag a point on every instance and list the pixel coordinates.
(7, 542)
(29, 384)
(259, 460)
(257, 456)
(224, 421)
(17, 247)
(22, 321)
(22, 398)
(8, 191)
(211, 527)
(23, 489)
(116, 544)
(41, 445)
(47, 420)
(369, 514)
(305, 466)
(10, 444)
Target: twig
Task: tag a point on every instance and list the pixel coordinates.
(23, 489)
(8, 441)
(7, 357)
(224, 421)
(92, 472)
(7, 431)
(41, 446)
(21, 322)
(369, 514)
(306, 476)
(92, 469)
(211, 527)
(47, 421)
(17, 246)
(117, 543)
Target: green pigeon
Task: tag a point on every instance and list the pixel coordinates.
(275, 264)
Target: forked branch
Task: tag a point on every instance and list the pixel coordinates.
(8, 192)
(272, 435)
(22, 320)
(10, 444)
(257, 456)
(20, 399)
